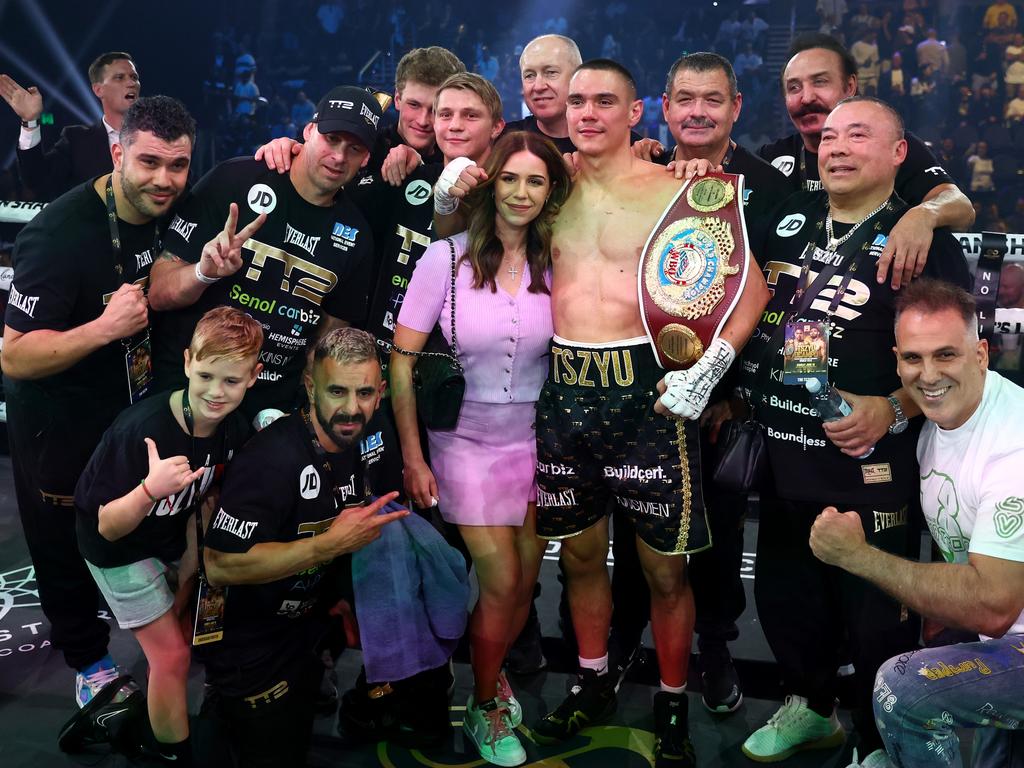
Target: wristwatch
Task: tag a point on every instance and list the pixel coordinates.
(901, 422)
(30, 124)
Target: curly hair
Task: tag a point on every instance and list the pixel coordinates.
(163, 116)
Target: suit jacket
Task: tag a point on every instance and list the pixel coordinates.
(81, 153)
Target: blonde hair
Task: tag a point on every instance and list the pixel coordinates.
(470, 81)
(226, 332)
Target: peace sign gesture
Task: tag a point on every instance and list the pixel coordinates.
(222, 256)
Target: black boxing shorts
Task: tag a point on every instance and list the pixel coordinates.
(598, 439)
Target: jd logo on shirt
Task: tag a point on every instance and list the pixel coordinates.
(261, 199)
(418, 192)
(790, 225)
(785, 163)
(309, 483)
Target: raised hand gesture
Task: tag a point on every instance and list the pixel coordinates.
(26, 103)
(168, 476)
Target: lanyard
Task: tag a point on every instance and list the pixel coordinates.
(115, 236)
(190, 426)
(321, 456)
(805, 266)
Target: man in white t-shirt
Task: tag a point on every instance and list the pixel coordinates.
(971, 453)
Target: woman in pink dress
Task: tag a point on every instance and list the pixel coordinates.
(482, 472)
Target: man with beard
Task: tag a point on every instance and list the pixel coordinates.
(76, 323)
(272, 540)
(819, 74)
(82, 151)
(295, 252)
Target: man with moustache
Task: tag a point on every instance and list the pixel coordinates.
(701, 104)
(77, 320)
(272, 541)
(970, 452)
(82, 151)
(295, 252)
(821, 72)
(809, 611)
(598, 236)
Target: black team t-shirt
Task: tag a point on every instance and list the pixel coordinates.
(805, 463)
(64, 277)
(305, 262)
(275, 491)
(121, 460)
(764, 188)
(402, 220)
(919, 174)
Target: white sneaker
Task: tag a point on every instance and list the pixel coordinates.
(793, 728)
(877, 759)
(92, 680)
(506, 697)
(489, 729)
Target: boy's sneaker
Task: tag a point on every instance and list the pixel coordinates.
(507, 699)
(720, 685)
(91, 680)
(793, 728)
(877, 759)
(590, 702)
(672, 745)
(115, 715)
(489, 728)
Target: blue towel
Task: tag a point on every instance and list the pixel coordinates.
(411, 592)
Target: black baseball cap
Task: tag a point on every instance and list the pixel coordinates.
(350, 109)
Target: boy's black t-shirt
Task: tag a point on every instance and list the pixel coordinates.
(121, 461)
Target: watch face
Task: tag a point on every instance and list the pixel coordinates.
(898, 427)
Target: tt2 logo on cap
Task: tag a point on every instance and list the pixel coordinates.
(261, 199)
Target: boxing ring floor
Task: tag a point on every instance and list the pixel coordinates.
(36, 689)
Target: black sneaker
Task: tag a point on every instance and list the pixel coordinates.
(721, 690)
(672, 745)
(526, 656)
(113, 716)
(590, 702)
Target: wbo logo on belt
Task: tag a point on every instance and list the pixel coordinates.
(685, 265)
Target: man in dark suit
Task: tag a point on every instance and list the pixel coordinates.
(83, 151)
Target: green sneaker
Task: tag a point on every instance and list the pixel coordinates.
(489, 728)
(508, 699)
(793, 728)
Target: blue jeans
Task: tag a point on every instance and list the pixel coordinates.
(921, 697)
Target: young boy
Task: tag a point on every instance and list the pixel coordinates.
(136, 499)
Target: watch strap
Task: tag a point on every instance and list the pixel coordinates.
(901, 419)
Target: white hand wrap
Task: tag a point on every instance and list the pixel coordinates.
(444, 201)
(687, 392)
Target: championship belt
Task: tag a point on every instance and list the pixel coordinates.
(693, 268)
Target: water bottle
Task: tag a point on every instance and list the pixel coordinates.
(830, 405)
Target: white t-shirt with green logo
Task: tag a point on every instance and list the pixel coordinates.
(972, 479)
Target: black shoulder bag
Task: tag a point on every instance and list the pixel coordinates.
(438, 378)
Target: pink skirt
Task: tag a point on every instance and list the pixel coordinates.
(486, 467)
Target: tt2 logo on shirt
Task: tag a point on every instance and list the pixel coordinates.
(418, 192)
(785, 163)
(261, 199)
(317, 284)
(790, 225)
(309, 483)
